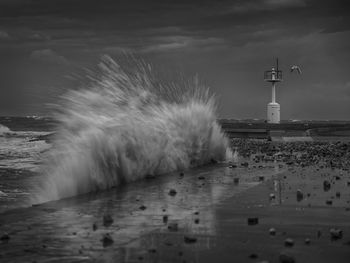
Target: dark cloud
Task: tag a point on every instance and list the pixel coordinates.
(228, 42)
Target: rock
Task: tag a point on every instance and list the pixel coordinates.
(182, 174)
(150, 176)
(190, 240)
(107, 220)
(336, 233)
(253, 255)
(329, 202)
(196, 213)
(165, 219)
(261, 178)
(307, 241)
(300, 195)
(272, 197)
(233, 166)
(319, 233)
(253, 221)
(196, 221)
(172, 192)
(5, 237)
(173, 227)
(245, 164)
(286, 258)
(289, 242)
(272, 231)
(143, 207)
(107, 240)
(326, 185)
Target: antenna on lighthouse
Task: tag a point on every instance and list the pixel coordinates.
(273, 108)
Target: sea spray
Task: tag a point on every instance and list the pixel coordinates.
(125, 124)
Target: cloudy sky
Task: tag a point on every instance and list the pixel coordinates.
(227, 43)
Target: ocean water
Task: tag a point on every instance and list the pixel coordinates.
(21, 149)
(123, 124)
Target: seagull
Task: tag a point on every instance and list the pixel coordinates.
(294, 67)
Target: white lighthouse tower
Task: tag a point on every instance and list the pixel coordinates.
(273, 108)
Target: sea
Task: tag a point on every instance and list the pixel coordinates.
(23, 142)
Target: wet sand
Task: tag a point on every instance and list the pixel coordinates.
(201, 216)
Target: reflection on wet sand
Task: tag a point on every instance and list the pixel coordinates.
(145, 217)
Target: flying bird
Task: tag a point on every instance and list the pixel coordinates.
(294, 67)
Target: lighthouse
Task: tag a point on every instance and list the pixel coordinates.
(273, 108)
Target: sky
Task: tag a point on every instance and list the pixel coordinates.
(228, 44)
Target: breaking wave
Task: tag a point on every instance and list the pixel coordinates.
(124, 125)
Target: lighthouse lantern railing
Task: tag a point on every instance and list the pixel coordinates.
(273, 75)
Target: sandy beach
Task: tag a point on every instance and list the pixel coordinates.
(216, 213)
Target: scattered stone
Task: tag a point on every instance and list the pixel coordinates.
(272, 231)
(253, 255)
(289, 242)
(319, 233)
(337, 194)
(94, 226)
(5, 237)
(182, 174)
(300, 195)
(152, 250)
(245, 164)
(196, 221)
(286, 258)
(143, 207)
(307, 241)
(107, 240)
(233, 166)
(201, 177)
(329, 202)
(190, 240)
(336, 233)
(165, 219)
(150, 176)
(253, 221)
(326, 185)
(236, 180)
(172, 192)
(107, 220)
(261, 178)
(173, 227)
(196, 213)
(272, 197)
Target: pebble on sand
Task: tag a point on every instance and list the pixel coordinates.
(173, 227)
(107, 220)
(172, 192)
(107, 240)
(272, 196)
(253, 221)
(307, 241)
(286, 258)
(326, 185)
(142, 207)
(300, 195)
(5, 237)
(190, 240)
(336, 233)
(272, 231)
(289, 242)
